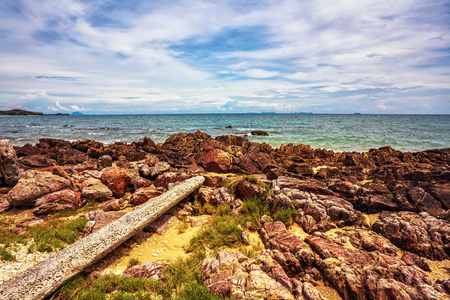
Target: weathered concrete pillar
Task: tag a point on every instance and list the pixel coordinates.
(44, 278)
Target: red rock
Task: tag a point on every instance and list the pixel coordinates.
(380, 203)
(104, 161)
(167, 178)
(159, 168)
(217, 160)
(34, 185)
(110, 205)
(424, 201)
(95, 190)
(245, 190)
(142, 195)
(9, 172)
(315, 187)
(61, 200)
(36, 161)
(117, 181)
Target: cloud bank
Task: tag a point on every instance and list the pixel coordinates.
(225, 56)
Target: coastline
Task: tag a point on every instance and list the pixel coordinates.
(327, 212)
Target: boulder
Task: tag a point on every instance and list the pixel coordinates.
(9, 172)
(34, 185)
(260, 133)
(246, 189)
(421, 234)
(217, 160)
(110, 205)
(36, 161)
(117, 181)
(235, 275)
(159, 168)
(94, 189)
(61, 200)
(104, 161)
(21, 227)
(142, 195)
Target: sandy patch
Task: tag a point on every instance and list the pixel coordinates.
(439, 269)
(149, 247)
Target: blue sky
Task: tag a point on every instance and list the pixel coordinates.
(324, 56)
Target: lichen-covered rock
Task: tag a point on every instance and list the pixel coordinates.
(94, 189)
(34, 185)
(117, 181)
(149, 270)
(235, 275)
(61, 200)
(9, 172)
(421, 233)
(246, 189)
(221, 196)
(322, 212)
(159, 168)
(358, 274)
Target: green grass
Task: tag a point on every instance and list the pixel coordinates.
(181, 280)
(133, 262)
(252, 211)
(6, 255)
(286, 216)
(51, 236)
(223, 232)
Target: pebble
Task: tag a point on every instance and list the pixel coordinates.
(154, 254)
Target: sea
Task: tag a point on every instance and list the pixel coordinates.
(339, 132)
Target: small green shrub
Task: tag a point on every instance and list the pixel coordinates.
(252, 211)
(6, 255)
(224, 231)
(133, 262)
(286, 216)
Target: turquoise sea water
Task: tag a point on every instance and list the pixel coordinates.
(337, 132)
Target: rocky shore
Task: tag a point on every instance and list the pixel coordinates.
(372, 225)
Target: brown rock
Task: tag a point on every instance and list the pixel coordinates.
(28, 222)
(117, 181)
(245, 190)
(4, 204)
(104, 161)
(159, 168)
(94, 189)
(34, 185)
(110, 205)
(424, 201)
(98, 219)
(61, 200)
(380, 203)
(149, 270)
(315, 187)
(217, 160)
(9, 172)
(160, 225)
(36, 161)
(142, 195)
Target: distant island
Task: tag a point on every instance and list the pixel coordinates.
(19, 112)
(77, 113)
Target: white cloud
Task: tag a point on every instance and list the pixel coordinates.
(307, 52)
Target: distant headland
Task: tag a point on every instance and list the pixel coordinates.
(19, 112)
(22, 112)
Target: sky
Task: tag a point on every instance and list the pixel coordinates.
(234, 56)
